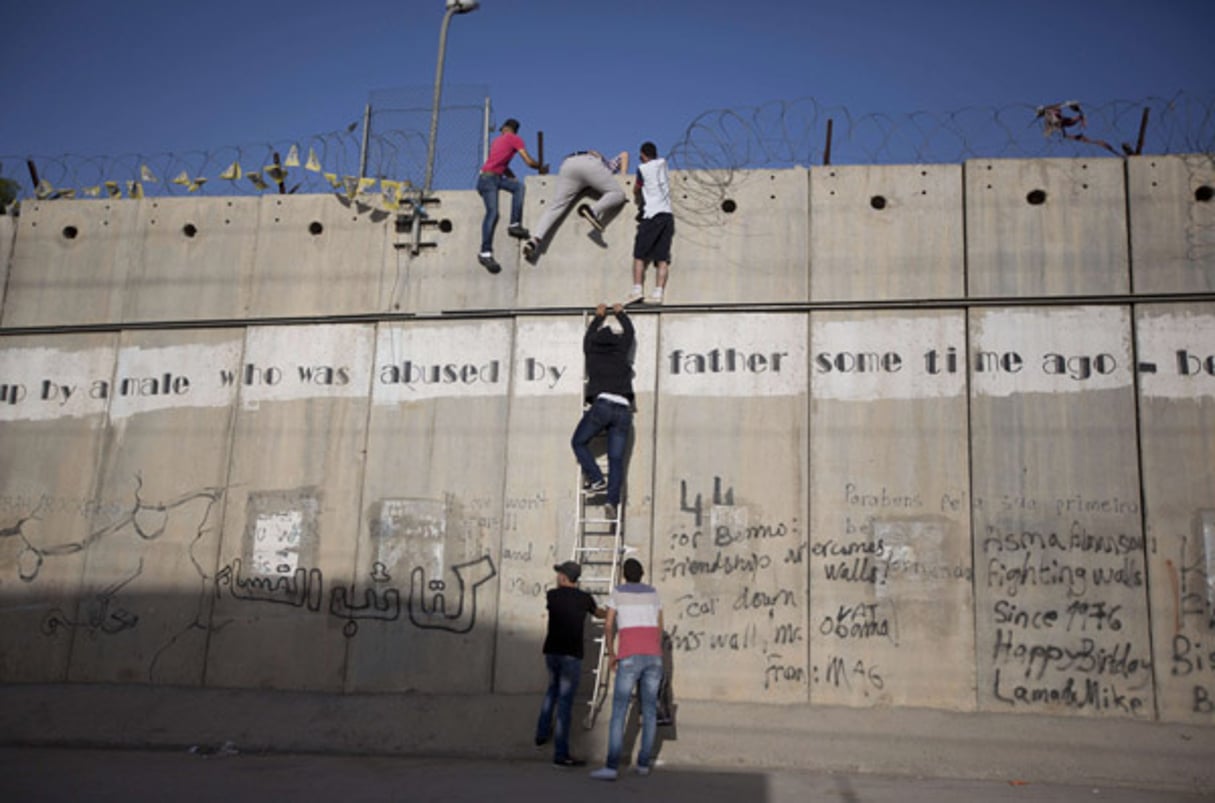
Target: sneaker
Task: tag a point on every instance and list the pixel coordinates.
(635, 296)
(656, 296)
(541, 740)
(642, 769)
(598, 486)
(517, 231)
(604, 774)
(584, 211)
(568, 761)
(489, 263)
(531, 248)
(609, 511)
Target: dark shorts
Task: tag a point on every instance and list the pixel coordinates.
(653, 241)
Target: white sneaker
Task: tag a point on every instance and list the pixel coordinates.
(641, 770)
(604, 774)
(656, 296)
(635, 295)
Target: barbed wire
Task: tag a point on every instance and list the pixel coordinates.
(389, 156)
(383, 152)
(719, 144)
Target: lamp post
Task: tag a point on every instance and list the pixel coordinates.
(453, 7)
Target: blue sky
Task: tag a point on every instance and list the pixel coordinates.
(151, 76)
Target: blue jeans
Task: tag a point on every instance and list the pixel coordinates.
(564, 673)
(648, 670)
(617, 419)
(489, 185)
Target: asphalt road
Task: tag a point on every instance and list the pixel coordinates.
(60, 775)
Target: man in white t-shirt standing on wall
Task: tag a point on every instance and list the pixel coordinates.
(655, 224)
(634, 612)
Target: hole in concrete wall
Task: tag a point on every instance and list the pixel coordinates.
(728, 206)
(1204, 193)
(315, 228)
(445, 226)
(1036, 197)
(189, 230)
(877, 202)
(70, 232)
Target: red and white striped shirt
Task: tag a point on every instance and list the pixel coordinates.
(637, 609)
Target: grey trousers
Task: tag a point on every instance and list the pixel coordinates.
(577, 173)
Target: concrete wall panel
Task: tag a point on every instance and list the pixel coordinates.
(729, 498)
(197, 259)
(53, 396)
(8, 231)
(1172, 223)
(1060, 587)
(1045, 227)
(432, 509)
(288, 552)
(541, 483)
(319, 255)
(448, 276)
(889, 232)
(578, 266)
(1177, 432)
(148, 583)
(71, 262)
(891, 609)
(741, 236)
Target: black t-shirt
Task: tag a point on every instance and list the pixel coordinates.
(567, 610)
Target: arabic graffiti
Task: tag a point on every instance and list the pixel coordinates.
(430, 605)
(101, 614)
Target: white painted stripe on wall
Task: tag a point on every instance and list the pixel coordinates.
(431, 361)
(877, 358)
(42, 384)
(1181, 348)
(548, 357)
(1036, 336)
(151, 379)
(291, 363)
(734, 355)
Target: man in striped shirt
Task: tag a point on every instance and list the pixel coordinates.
(634, 613)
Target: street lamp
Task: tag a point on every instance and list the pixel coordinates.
(453, 7)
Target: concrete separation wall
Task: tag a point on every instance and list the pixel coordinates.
(966, 510)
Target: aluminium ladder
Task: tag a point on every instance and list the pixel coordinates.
(598, 546)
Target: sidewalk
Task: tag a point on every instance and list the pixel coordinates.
(60, 775)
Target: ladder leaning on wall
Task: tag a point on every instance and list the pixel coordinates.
(598, 546)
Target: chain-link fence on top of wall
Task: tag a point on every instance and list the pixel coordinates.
(388, 157)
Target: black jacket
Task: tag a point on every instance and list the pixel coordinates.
(608, 369)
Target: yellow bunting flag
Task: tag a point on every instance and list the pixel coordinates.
(68, 194)
(44, 190)
(182, 178)
(145, 174)
(233, 172)
(333, 180)
(391, 193)
(293, 157)
(313, 163)
(112, 188)
(256, 178)
(196, 183)
(134, 189)
(275, 173)
(366, 184)
(92, 191)
(351, 185)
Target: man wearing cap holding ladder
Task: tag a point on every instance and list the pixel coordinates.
(568, 607)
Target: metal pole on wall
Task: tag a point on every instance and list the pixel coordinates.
(453, 7)
(485, 131)
(366, 140)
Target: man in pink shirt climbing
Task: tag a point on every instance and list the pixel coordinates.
(496, 176)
